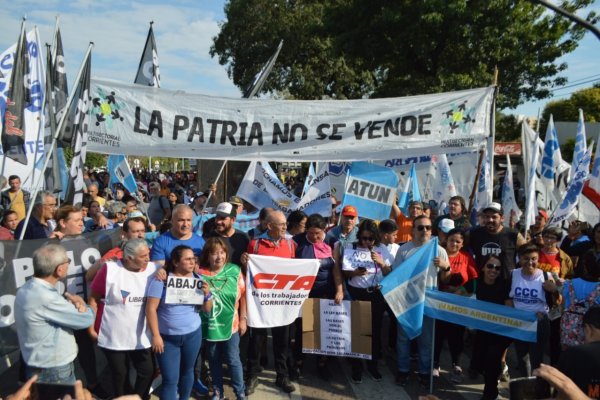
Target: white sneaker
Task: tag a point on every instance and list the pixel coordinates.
(457, 374)
(504, 376)
(435, 373)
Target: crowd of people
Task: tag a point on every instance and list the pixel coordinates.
(554, 275)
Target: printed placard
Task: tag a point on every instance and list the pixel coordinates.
(182, 290)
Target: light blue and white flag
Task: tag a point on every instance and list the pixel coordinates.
(484, 186)
(595, 174)
(482, 315)
(309, 178)
(121, 173)
(442, 187)
(580, 144)
(404, 288)
(371, 189)
(571, 196)
(551, 158)
(509, 203)
(262, 188)
(410, 191)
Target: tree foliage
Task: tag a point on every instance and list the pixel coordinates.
(350, 49)
(508, 128)
(568, 109)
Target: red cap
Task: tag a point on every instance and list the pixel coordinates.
(544, 214)
(350, 211)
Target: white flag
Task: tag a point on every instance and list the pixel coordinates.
(262, 188)
(580, 144)
(443, 187)
(595, 174)
(509, 203)
(531, 209)
(571, 197)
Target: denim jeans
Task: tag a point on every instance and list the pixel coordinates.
(425, 350)
(62, 374)
(177, 364)
(228, 351)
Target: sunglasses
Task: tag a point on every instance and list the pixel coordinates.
(367, 238)
(422, 228)
(493, 266)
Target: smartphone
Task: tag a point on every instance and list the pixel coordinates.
(529, 388)
(361, 269)
(51, 391)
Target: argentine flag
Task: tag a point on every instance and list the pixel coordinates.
(404, 288)
(121, 173)
(410, 192)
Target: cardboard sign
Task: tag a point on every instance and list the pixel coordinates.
(181, 290)
(337, 329)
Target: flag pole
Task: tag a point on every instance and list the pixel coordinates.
(215, 182)
(432, 356)
(36, 187)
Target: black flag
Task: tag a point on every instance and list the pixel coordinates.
(148, 71)
(13, 127)
(78, 109)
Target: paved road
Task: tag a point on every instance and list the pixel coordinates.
(339, 387)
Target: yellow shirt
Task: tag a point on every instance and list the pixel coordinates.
(17, 204)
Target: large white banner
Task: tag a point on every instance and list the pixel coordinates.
(132, 119)
(277, 288)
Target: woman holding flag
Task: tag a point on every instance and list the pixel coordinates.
(223, 326)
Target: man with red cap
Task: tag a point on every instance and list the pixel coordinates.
(346, 231)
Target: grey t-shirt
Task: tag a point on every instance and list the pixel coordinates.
(408, 249)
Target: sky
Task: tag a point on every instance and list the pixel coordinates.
(183, 30)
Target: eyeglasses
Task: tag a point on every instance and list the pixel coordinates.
(422, 228)
(67, 261)
(493, 266)
(53, 205)
(367, 238)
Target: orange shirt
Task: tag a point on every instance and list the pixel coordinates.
(404, 233)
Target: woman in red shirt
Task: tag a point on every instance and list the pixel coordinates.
(463, 269)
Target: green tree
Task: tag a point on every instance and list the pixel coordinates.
(92, 160)
(508, 128)
(568, 109)
(354, 49)
(566, 150)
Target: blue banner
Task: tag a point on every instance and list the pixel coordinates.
(404, 288)
(371, 189)
(482, 315)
